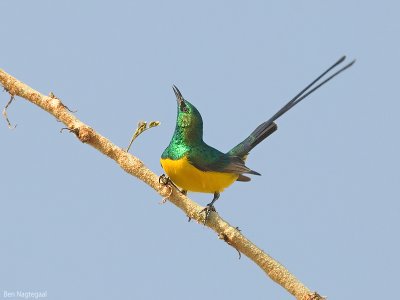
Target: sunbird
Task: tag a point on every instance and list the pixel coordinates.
(194, 166)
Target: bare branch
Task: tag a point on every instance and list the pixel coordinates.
(132, 165)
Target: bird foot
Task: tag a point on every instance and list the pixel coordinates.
(165, 180)
(208, 209)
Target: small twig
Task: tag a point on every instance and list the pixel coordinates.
(142, 127)
(66, 128)
(224, 237)
(5, 112)
(51, 95)
(164, 199)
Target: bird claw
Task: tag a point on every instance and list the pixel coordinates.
(163, 179)
(208, 209)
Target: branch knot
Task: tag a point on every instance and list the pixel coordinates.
(85, 134)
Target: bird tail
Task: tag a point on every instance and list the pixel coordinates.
(257, 136)
(268, 127)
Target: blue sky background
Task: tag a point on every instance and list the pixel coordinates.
(327, 206)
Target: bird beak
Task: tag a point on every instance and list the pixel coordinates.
(179, 97)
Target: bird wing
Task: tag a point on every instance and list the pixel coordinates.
(220, 162)
(243, 178)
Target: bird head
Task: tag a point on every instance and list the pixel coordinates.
(189, 122)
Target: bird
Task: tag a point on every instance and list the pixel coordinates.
(194, 166)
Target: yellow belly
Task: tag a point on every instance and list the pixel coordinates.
(189, 178)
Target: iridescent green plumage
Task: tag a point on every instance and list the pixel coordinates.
(187, 141)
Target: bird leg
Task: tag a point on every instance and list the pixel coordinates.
(165, 180)
(210, 207)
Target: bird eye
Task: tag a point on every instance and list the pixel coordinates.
(183, 107)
